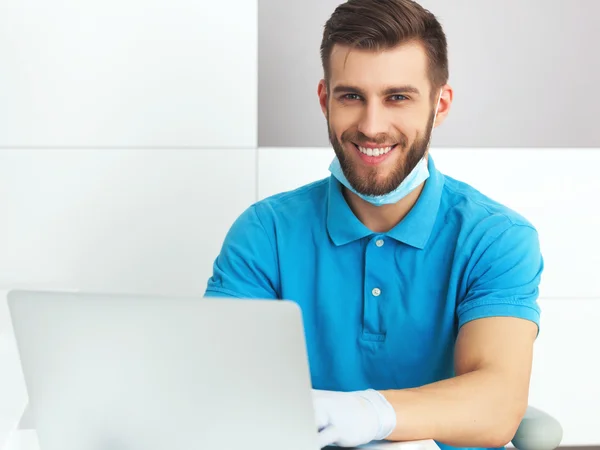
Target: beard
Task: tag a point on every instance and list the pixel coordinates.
(370, 183)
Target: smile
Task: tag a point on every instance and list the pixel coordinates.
(374, 151)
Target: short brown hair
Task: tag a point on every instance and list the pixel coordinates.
(383, 24)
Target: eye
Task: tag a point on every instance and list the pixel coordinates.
(398, 97)
(351, 97)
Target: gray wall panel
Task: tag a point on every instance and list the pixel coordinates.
(525, 74)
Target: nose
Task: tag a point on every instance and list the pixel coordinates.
(373, 121)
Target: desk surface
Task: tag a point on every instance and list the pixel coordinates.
(27, 440)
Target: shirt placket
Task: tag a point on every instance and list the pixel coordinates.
(377, 263)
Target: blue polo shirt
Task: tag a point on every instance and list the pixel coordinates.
(382, 310)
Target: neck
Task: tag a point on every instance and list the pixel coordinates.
(381, 219)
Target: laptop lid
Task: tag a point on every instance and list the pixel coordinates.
(125, 372)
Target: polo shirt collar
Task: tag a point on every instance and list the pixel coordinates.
(343, 226)
(414, 230)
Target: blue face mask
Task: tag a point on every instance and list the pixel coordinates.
(414, 179)
(418, 175)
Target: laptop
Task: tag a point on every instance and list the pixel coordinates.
(129, 372)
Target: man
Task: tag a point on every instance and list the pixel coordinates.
(419, 294)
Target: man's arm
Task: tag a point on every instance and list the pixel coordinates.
(484, 404)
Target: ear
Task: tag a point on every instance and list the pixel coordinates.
(323, 98)
(444, 105)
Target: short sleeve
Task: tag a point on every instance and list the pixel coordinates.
(246, 266)
(505, 279)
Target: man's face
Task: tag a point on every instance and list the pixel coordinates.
(379, 113)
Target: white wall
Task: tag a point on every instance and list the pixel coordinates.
(120, 219)
(125, 127)
(133, 73)
(128, 147)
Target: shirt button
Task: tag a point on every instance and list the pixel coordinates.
(376, 292)
(379, 242)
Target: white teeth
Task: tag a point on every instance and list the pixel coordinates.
(374, 151)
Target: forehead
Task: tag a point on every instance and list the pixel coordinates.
(369, 69)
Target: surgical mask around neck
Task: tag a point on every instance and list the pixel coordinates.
(415, 178)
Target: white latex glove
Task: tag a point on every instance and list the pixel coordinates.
(349, 419)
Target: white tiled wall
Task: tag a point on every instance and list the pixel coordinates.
(12, 385)
(126, 220)
(112, 73)
(125, 127)
(566, 367)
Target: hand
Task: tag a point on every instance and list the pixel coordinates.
(349, 419)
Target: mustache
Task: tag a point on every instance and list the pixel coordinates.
(358, 137)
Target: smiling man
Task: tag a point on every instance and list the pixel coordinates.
(418, 292)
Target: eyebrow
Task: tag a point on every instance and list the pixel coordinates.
(406, 89)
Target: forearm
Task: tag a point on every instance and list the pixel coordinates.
(477, 409)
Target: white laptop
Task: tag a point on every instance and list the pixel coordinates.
(122, 372)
